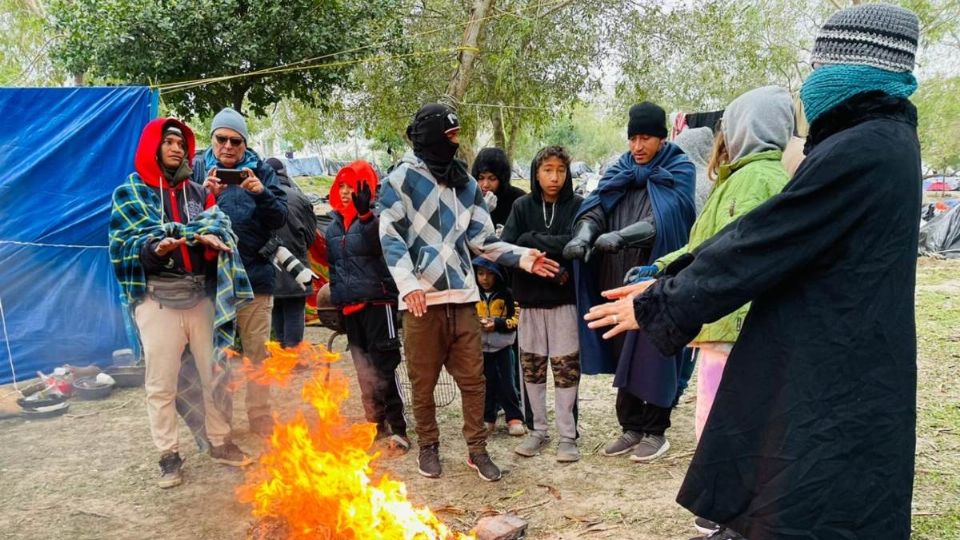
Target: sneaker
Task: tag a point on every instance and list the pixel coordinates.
(705, 526)
(399, 444)
(567, 451)
(722, 533)
(516, 428)
(170, 470)
(428, 462)
(650, 448)
(532, 444)
(485, 467)
(491, 427)
(623, 444)
(230, 454)
(262, 426)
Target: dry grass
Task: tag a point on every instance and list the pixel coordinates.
(94, 476)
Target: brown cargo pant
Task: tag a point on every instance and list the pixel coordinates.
(447, 335)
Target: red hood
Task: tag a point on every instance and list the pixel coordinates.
(145, 161)
(352, 174)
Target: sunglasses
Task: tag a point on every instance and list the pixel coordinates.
(222, 139)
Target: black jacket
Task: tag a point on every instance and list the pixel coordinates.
(253, 219)
(527, 227)
(812, 432)
(297, 235)
(358, 272)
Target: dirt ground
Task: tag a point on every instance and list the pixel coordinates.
(92, 474)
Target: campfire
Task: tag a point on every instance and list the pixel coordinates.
(316, 478)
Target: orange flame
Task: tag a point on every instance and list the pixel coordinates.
(316, 475)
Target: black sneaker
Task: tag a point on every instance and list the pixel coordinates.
(705, 526)
(229, 454)
(170, 470)
(485, 467)
(428, 462)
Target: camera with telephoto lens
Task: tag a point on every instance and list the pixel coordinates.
(281, 257)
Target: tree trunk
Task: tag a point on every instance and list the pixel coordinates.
(457, 88)
(499, 136)
(237, 93)
(512, 137)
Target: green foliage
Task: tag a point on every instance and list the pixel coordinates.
(699, 56)
(938, 107)
(151, 42)
(23, 46)
(588, 133)
(536, 59)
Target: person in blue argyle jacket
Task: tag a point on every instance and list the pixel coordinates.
(433, 220)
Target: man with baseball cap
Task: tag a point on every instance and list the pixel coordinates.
(433, 219)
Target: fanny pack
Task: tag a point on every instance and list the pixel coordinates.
(177, 291)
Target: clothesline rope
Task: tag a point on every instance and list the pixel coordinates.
(39, 244)
(176, 87)
(283, 68)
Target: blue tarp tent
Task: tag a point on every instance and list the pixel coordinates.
(307, 166)
(62, 152)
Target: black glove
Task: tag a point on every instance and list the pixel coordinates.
(579, 246)
(611, 242)
(361, 198)
(639, 234)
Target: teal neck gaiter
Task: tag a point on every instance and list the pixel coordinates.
(831, 85)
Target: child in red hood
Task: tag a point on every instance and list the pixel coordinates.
(363, 289)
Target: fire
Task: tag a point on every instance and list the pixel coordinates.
(316, 475)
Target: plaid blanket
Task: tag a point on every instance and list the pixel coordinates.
(135, 219)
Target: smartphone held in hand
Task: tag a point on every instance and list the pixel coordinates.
(231, 176)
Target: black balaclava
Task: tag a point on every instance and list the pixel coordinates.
(428, 133)
(181, 173)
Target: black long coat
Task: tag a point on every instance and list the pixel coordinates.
(812, 433)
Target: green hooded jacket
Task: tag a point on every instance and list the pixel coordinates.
(741, 186)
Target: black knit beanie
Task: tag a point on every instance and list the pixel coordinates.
(647, 119)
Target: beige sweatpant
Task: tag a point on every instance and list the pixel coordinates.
(253, 325)
(165, 334)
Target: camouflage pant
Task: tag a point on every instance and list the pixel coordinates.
(549, 335)
(566, 369)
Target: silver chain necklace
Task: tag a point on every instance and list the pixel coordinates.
(553, 213)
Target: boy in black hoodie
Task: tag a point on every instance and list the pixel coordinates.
(543, 220)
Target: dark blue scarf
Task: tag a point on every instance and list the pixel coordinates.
(670, 180)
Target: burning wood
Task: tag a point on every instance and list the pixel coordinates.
(315, 479)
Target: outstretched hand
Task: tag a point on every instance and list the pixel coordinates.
(627, 290)
(619, 314)
(542, 265)
(212, 241)
(167, 245)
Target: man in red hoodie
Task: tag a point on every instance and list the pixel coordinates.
(152, 240)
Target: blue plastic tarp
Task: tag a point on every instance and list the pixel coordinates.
(62, 152)
(306, 166)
